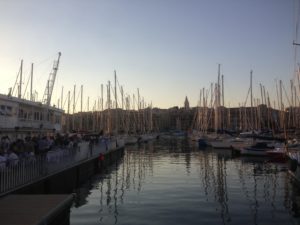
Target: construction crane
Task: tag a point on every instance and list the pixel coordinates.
(50, 82)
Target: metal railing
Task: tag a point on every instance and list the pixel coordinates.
(16, 173)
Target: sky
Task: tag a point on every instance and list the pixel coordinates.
(168, 49)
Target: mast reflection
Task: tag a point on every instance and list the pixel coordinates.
(217, 177)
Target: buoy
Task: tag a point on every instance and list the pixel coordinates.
(101, 157)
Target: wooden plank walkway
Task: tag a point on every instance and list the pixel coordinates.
(35, 209)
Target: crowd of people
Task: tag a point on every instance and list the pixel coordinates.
(12, 151)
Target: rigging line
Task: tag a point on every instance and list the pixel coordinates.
(286, 95)
(247, 97)
(113, 90)
(297, 98)
(295, 61)
(26, 86)
(45, 60)
(298, 76)
(18, 74)
(206, 96)
(63, 106)
(297, 19)
(45, 72)
(120, 89)
(46, 68)
(119, 85)
(277, 94)
(75, 105)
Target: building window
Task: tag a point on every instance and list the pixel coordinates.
(5, 110)
(8, 110)
(36, 116)
(57, 119)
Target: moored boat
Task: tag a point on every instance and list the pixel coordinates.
(278, 153)
(130, 139)
(259, 149)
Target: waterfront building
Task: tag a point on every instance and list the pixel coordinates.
(235, 119)
(20, 117)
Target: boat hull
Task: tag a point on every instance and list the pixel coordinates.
(293, 165)
(221, 144)
(253, 151)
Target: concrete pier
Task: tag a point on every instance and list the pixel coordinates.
(35, 209)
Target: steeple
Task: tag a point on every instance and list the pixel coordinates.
(186, 103)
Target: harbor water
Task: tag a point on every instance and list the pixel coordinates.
(171, 181)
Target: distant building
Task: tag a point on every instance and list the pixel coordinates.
(182, 118)
(186, 103)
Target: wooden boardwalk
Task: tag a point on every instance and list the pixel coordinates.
(35, 209)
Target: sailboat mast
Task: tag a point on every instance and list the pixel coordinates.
(68, 102)
(251, 94)
(20, 82)
(81, 101)
(31, 82)
(216, 108)
(280, 94)
(122, 94)
(281, 104)
(218, 100)
(87, 115)
(102, 97)
(138, 108)
(116, 99)
(108, 95)
(218, 87)
(68, 119)
(116, 109)
(223, 90)
(291, 112)
(62, 96)
(122, 109)
(261, 93)
(277, 95)
(74, 96)
(102, 107)
(108, 107)
(222, 112)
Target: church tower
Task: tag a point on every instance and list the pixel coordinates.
(186, 103)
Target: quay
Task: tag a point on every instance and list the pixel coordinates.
(60, 170)
(39, 191)
(35, 209)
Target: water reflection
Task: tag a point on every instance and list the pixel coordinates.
(82, 193)
(171, 181)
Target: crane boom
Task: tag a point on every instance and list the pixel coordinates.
(50, 82)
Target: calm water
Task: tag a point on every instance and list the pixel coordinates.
(172, 182)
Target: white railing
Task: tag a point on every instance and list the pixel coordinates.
(18, 172)
(15, 173)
